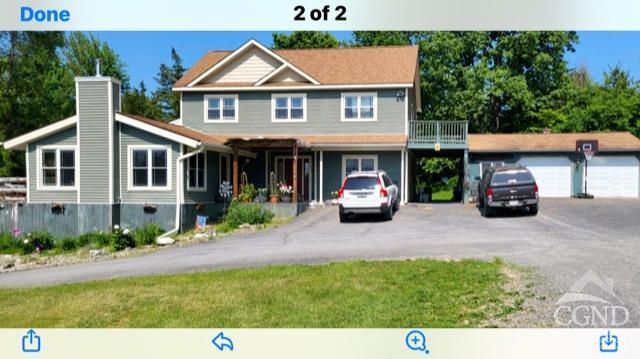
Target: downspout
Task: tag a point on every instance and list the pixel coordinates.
(180, 189)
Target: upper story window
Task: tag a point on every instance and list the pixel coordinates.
(221, 108)
(288, 107)
(57, 168)
(197, 172)
(359, 106)
(149, 168)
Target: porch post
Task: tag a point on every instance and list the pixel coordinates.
(465, 177)
(321, 189)
(295, 172)
(403, 172)
(235, 172)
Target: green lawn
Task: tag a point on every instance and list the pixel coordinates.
(418, 293)
(443, 195)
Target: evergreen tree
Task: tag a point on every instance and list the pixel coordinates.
(168, 100)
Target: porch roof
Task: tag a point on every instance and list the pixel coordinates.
(309, 141)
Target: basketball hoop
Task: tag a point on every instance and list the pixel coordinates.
(588, 154)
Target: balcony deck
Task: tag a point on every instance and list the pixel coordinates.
(445, 134)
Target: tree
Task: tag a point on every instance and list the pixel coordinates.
(36, 89)
(495, 80)
(304, 40)
(168, 100)
(81, 52)
(136, 102)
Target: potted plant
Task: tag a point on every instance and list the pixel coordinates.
(285, 192)
(248, 193)
(273, 188)
(262, 195)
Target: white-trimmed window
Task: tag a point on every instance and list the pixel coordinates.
(150, 168)
(57, 168)
(288, 108)
(197, 172)
(221, 108)
(359, 106)
(353, 163)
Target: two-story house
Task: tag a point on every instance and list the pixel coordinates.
(306, 117)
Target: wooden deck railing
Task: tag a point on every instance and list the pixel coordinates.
(442, 132)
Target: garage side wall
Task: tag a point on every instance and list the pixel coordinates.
(388, 161)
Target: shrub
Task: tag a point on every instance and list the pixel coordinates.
(68, 244)
(99, 239)
(147, 234)
(248, 193)
(122, 238)
(37, 241)
(247, 213)
(8, 243)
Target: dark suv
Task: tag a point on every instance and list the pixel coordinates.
(507, 187)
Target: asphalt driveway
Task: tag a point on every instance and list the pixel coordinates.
(568, 238)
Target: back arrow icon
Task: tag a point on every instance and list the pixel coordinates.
(220, 342)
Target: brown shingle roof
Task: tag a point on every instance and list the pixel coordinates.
(181, 130)
(561, 142)
(337, 66)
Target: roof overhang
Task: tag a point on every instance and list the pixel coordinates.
(289, 88)
(20, 142)
(239, 51)
(129, 121)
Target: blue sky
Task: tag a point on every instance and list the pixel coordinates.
(144, 51)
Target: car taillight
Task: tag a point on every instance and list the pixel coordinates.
(341, 190)
(490, 192)
(383, 192)
(535, 188)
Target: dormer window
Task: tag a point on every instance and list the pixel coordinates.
(288, 108)
(221, 108)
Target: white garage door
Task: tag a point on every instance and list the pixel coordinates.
(552, 174)
(613, 176)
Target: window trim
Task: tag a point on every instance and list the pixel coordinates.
(57, 188)
(288, 96)
(149, 187)
(221, 97)
(359, 158)
(359, 95)
(202, 188)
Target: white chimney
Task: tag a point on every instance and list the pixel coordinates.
(98, 71)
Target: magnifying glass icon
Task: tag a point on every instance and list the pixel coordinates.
(416, 340)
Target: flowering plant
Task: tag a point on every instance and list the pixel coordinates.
(285, 190)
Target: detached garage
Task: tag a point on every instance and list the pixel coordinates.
(558, 170)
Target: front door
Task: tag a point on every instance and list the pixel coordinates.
(284, 173)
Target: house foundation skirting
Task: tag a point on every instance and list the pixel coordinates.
(73, 219)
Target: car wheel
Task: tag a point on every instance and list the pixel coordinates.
(343, 217)
(533, 209)
(396, 206)
(389, 214)
(486, 210)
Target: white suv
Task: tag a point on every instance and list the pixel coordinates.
(368, 192)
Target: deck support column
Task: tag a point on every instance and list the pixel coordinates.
(321, 178)
(465, 177)
(295, 172)
(235, 172)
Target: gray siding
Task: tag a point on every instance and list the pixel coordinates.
(323, 115)
(132, 136)
(66, 137)
(116, 97)
(212, 175)
(388, 161)
(93, 123)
